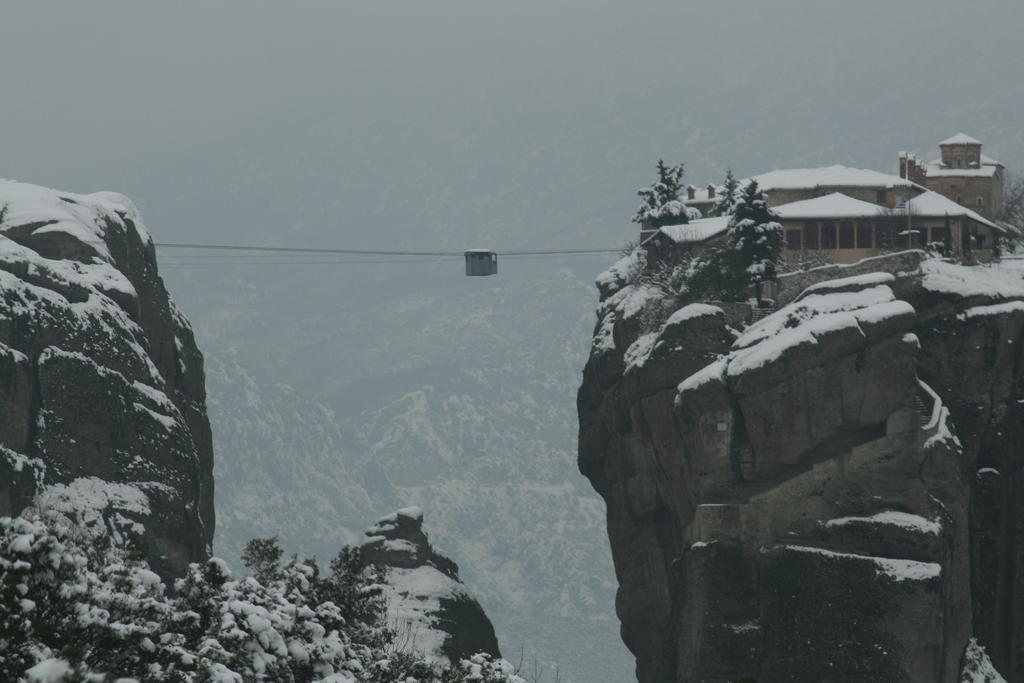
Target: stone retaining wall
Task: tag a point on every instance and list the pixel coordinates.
(788, 286)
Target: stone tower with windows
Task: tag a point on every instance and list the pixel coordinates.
(962, 173)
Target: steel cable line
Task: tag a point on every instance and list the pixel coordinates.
(311, 258)
(172, 262)
(370, 252)
(175, 261)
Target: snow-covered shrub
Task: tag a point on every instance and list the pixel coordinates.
(483, 669)
(705, 275)
(77, 600)
(74, 609)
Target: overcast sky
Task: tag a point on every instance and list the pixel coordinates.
(210, 103)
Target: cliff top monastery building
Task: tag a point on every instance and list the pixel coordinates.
(842, 214)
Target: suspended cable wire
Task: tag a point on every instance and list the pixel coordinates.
(172, 262)
(181, 260)
(369, 252)
(304, 250)
(555, 254)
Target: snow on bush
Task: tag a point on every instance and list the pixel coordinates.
(74, 607)
(622, 272)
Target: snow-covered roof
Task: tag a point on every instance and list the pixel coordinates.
(934, 204)
(989, 161)
(839, 205)
(835, 205)
(827, 176)
(960, 139)
(696, 231)
(809, 178)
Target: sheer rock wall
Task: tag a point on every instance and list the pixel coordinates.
(102, 396)
(830, 494)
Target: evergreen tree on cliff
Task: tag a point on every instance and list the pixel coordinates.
(730, 195)
(756, 235)
(76, 606)
(661, 204)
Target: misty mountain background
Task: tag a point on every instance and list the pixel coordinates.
(338, 392)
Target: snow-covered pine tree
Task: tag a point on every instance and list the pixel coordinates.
(730, 195)
(756, 235)
(76, 607)
(661, 204)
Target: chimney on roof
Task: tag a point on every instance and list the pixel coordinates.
(911, 168)
(915, 170)
(691, 192)
(711, 191)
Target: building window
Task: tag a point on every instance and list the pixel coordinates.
(810, 235)
(959, 199)
(828, 235)
(864, 231)
(793, 241)
(884, 237)
(981, 202)
(846, 235)
(940, 235)
(881, 196)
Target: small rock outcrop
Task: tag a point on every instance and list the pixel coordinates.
(428, 604)
(830, 493)
(102, 396)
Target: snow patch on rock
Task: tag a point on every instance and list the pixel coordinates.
(621, 272)
(854, 281)
(804, 322)
(715, 372)
(903, 520)
(949, 278)
(414, 600)
(691, 311)
(895, 569)
(640, 350)
(994, 309)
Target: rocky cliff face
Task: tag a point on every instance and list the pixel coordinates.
(102, 399)
(428, 604)
(831, 493)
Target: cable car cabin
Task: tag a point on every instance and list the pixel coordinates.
(481, 262)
